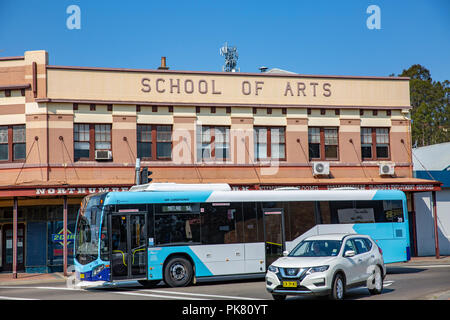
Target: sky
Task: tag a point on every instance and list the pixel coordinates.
(307, 37)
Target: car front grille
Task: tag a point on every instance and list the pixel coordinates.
(292, 272)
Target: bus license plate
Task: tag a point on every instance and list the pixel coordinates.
(290, 284)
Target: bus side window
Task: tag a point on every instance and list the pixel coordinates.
(250, 223)
(219, 223)
(299, 219)
(393, 210)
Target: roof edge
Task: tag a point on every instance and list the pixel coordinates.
(258, 74)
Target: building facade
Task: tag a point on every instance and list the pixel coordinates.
(433, 208)
(66, 132)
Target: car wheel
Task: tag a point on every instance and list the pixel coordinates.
(376, 285)
(279, 297)
(178, 272)
(338, 287)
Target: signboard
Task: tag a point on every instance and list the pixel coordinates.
(59, 237)
(353, 215)
(225, 88)
(76, 190)
(402, 187)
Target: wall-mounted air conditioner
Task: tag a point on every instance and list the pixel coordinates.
(387, 169)
(103, 155)
(321, 168)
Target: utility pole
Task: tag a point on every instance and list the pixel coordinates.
(138, 171)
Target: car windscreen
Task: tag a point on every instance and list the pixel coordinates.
(316, 248)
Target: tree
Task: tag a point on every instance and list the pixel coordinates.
(430, 101)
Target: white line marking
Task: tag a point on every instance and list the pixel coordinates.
(387, 283)
(202, 295)
(14, 298)
(430, 266)
(157, 296)
(47, 288)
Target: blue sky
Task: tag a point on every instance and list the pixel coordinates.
(307, 37)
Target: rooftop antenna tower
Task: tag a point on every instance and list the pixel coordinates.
(231, 57)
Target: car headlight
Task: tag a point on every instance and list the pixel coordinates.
(273, 269)
(317, 269)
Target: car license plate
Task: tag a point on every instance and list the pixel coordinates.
(290, 284)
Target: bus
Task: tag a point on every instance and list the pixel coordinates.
(184, 233)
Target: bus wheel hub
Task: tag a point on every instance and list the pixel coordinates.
(178, 271)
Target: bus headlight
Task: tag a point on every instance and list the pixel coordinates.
(97, 270)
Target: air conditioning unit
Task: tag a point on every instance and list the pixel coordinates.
(103, 155)
(387, 169)
(321, 168)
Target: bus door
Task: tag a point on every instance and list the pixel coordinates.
(274, 234)
(128, 236)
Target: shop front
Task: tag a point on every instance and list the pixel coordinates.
(33, 225)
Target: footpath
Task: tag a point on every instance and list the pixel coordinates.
(6, 278)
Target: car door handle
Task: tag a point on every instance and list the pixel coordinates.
(359, 260)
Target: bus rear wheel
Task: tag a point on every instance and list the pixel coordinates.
(178, 272)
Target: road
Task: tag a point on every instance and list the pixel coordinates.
(401, 283)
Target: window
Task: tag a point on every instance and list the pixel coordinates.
(102, 137)
(360, 245)
(219, 222)
(316, 248)
(90, 137)
(374, 143)
(349, 245)
(299, 218)
(213, 143)
(323, 143)
(270, 143)
(154, 142)
(177, 223)
(361, 211)
(12, 143)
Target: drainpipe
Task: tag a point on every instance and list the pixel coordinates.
(436, 233)
(14, 266)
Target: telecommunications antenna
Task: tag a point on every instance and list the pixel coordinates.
(231, 57)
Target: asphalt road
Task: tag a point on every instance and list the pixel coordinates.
(401, 283)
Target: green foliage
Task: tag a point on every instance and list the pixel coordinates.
(430, 100)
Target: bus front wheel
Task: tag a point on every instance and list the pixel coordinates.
(178, 272)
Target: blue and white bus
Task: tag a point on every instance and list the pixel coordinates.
(183, 233)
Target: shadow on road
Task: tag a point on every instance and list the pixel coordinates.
(134, 285)
(404, 270)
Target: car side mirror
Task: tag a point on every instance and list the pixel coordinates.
(349, 253)
(285, 253)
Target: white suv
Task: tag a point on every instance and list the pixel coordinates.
(327, 264)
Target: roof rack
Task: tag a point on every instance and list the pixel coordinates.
(170, 186)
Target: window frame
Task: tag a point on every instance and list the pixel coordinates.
(11, 143)
(322, 145)
(269, 143)
(92, 141)
(212, 143)
(374, 144)
(154, 141)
